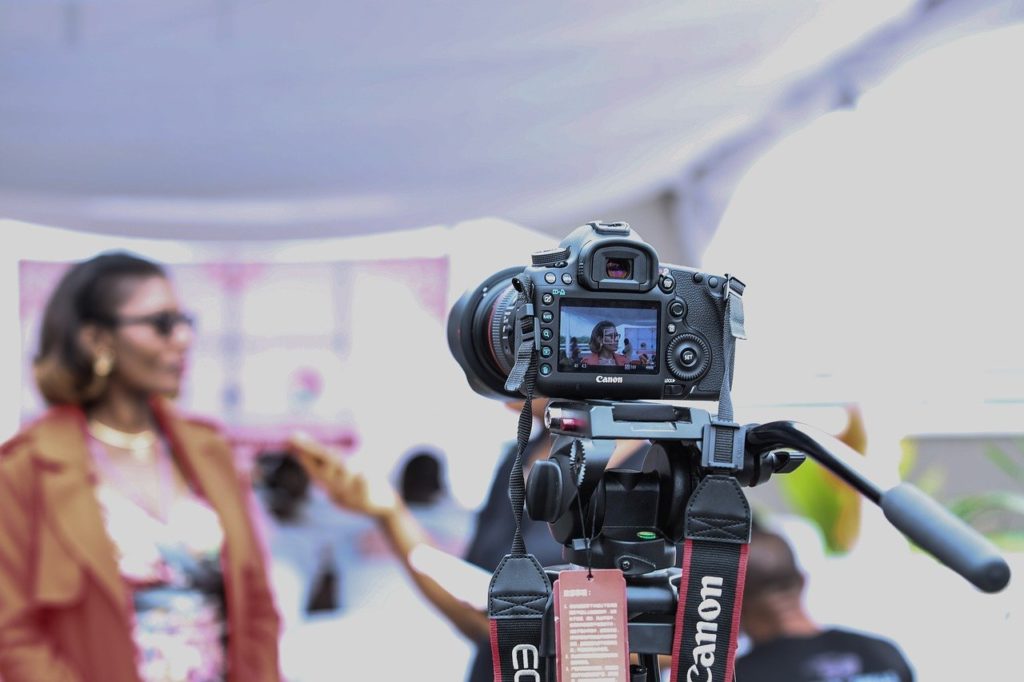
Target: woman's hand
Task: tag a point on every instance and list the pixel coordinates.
(347, 488)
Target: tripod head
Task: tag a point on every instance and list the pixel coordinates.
(633, 520)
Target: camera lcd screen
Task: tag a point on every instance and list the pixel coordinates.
(608, 336)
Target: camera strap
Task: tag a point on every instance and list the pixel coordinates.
(733, 329)
(520, 590)
(722, 449)
(714, 568)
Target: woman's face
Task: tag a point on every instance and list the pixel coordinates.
(151, 339)
(609, 340)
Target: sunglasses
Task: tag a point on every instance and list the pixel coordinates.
(163, 323)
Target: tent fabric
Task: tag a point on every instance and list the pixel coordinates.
(213, 119)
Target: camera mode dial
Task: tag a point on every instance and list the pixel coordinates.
(550, 257)
(689, 357)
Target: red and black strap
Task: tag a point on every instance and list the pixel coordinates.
(714, 567)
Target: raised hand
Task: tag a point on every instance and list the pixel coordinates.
(347, 487)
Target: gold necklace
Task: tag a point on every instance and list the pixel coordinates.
(140, 444)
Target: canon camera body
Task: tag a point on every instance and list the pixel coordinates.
(609, 321)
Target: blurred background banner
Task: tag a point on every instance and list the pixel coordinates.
(283, 346)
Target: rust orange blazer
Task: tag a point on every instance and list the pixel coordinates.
(65, 614)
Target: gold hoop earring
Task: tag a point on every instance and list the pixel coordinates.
(103, 364)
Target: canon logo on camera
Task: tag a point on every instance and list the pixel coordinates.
(602, 379)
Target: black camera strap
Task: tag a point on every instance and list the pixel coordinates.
(519, 590)
(714, 568)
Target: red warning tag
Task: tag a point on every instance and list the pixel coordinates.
(590, 619)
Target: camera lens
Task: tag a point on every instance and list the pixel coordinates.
(481, 334)
(619, 268)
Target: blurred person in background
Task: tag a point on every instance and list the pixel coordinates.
(127, 551)
(787, 645)
(574, 350)
(492, 537)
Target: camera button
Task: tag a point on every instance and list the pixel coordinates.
(546, 334)
(676, 308)
(545, 351)
(667, 284)
(549, 277)
(547, 316)
(566, 278)
(674, 390)
(545, 369)
(547, 298)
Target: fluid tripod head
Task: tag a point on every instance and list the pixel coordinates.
(632, 519)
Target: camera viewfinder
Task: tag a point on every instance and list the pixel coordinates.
(619, 268)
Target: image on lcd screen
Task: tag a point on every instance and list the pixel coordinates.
(606, 336)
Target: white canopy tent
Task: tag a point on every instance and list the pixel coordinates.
(216, 119)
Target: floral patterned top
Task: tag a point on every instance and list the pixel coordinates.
(172, 568)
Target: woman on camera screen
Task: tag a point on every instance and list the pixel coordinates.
(127, 553)
(604, 346)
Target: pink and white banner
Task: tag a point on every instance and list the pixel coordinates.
(283, 346)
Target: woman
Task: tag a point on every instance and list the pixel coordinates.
(604, 344)
(126, 550)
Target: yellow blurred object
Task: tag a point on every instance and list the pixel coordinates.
(821, 496)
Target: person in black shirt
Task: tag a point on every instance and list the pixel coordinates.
(788, 646)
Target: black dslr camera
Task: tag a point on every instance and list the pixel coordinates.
(610, 321)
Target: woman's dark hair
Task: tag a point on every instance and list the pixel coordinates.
(595, 336)
(88, 293)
